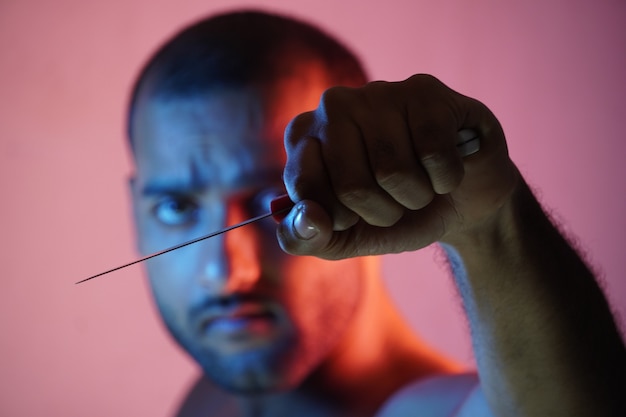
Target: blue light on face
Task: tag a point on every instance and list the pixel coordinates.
(176, 211)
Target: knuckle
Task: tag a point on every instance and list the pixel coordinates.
(425, 132)
(437, 164)
(370, 206)
(374, 90)
(352, 195)
(326, 131)
(289, 176)
(343, 218)
(334, 99)
(424, 81)
(391, 180)
(406, 188)
(299, 187)
(445, 174)
(383, 151)
(383, 97)
(431, 122)
(432, 160)
(297, 128)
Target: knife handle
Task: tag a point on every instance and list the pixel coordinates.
(468, 142)
(280, 206)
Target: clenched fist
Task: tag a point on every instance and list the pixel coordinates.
(383, 169)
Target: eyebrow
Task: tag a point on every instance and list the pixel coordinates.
(161, 188)
(156, 187)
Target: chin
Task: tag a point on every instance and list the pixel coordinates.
(260, 371)
(251, 385)
(251, 376)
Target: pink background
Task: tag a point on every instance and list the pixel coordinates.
(553, 72)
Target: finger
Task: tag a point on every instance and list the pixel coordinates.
(306, 230)
(444, 168)
(458, 110)
(346, 158)
(484, 124)
(391, 155)
(414, 231)
(305, 175)
(434, 142)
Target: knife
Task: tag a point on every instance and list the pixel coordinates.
(468, 143)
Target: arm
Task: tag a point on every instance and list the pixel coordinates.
(544, 337)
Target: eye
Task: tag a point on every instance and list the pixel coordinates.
(176, 211)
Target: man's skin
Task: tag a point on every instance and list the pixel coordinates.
(373, 170)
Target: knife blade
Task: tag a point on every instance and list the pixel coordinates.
(468, 143)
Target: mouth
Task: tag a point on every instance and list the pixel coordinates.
(240, 320)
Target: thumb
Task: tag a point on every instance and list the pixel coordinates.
(306, 230)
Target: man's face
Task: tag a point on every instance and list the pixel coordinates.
(255, 318)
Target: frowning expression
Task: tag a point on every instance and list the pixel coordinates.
(253, 317)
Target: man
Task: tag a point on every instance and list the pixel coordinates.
(372, 169)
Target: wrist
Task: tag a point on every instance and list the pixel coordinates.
(504, 227)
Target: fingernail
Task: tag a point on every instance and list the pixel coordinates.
(303, 228)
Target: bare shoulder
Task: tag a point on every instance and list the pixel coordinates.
(205, 399)
(457, 395)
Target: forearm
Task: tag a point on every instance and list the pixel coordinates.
(544, 338)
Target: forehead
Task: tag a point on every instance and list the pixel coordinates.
(208, 135)
(223, 136)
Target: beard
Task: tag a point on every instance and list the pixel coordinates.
(261, 370)
(304, 339)
(274, 367)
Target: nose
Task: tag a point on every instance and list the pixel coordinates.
(230, 262)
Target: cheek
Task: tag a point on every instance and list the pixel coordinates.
(321, 291)
(168, 282)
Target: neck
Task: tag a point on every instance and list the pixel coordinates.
(379, 355)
